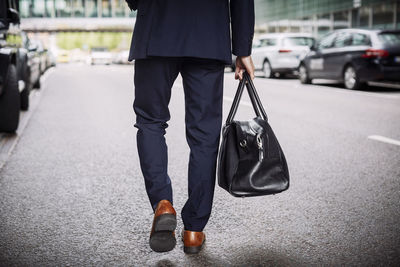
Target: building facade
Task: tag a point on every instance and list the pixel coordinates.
(314, 16)
(74, 9)
(322, 16)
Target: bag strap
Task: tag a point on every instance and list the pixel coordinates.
(255, 100)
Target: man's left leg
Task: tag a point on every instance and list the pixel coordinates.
(203, 87)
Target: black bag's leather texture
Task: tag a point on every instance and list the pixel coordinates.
(251, 161)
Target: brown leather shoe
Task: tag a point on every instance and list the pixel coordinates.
(193, 241)
(162, 236)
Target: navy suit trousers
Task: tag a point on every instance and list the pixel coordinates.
(203, 89)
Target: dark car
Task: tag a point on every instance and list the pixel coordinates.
(355, 57)
(17, 69)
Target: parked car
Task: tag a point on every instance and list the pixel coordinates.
(35, 59)
(16, 67)
(121, 57)
(100, 55)
(41, 53)
(51, 60)
(280, 53)
(355, 57)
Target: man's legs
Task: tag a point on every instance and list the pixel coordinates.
(154, 78)
(203, 87)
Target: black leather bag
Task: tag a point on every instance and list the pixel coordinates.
(251, 161)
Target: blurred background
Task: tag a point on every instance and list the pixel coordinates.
(71, 28)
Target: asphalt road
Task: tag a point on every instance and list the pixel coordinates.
(72, 194)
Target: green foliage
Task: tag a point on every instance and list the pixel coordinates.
(87, 40)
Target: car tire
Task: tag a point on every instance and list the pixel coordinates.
(24, 99)
(304, 77)
(37, 84)
(351, 79)
(10, 102)
(267, 70)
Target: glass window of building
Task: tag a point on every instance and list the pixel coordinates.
(38, 8)
(341, 20)
(306, 24)
(50, 9)
(78, 8)
(363, 17)
(106, 8)
(91, 8)
(24, 8)
(63, 8)
(382, 16)
(119, 8)
(323, 24)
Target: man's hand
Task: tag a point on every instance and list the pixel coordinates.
(244, 64)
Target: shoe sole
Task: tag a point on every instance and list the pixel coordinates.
(192, 250)
(163, 239)
(165, 222)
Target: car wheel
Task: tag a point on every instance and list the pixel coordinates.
(24, 99)
(10, 102)
(351, 79)
(267, 70)
(303, 75)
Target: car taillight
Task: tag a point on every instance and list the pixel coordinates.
(284, 51)
(372, 53)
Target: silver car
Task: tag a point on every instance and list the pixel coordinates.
(280, 53)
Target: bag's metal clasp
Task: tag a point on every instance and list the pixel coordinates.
(243, 143)
(260, 147)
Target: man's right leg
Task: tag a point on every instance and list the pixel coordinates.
(154, 78)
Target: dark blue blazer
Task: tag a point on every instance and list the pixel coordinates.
(192, 28)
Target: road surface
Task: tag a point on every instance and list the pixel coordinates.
(72, 193)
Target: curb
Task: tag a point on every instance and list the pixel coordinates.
(9, 141)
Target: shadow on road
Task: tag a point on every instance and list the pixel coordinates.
(242, 256)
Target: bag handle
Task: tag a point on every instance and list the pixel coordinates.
(255, 100)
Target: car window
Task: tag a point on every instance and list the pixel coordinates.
(342, 40)
(359, 39)
(327, 41)
(268, 42)
(298, 41)
(390, 38)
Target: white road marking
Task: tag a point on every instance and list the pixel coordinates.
(379, 95)
(384, 139)
(242, 102)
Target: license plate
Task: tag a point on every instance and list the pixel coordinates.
(397, 59)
